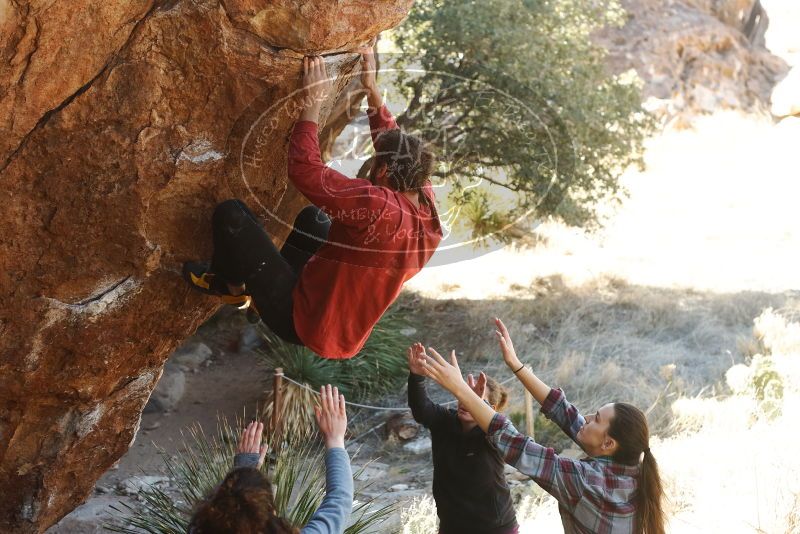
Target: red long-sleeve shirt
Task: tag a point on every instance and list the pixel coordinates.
(378, 239)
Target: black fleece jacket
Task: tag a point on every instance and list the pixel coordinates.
(469, 487)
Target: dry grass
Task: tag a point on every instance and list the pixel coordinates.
(737, 473)
(727, 466)
(608, 340)
(297, 419)
(793, 520)
(419, 517)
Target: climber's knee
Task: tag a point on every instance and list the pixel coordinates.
(229, 214)
(312, 220)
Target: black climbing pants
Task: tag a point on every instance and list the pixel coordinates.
(245, 254)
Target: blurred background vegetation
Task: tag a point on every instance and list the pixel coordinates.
(513, 95)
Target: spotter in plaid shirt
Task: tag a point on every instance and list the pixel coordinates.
(595, 495)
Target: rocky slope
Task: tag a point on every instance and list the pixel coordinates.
(696, 56)
(123, 123)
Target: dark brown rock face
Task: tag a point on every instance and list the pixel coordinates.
(123, 123)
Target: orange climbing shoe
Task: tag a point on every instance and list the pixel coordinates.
(252, 313)
(240, 301)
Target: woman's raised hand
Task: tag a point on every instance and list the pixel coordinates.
(250, 442)
(506, 346)
(331, 416)
(447, 375)
(416, 359)
(479, 385)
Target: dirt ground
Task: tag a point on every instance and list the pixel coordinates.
(232, 385)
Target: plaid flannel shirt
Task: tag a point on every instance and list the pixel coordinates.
(595, 495)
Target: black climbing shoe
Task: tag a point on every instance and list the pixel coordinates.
(201, 279)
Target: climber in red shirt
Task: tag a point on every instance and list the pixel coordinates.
(350, 253)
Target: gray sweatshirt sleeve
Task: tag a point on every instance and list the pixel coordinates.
(246, 459)
(331, 516)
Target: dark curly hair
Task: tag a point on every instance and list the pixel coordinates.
(242, 504)
(409, 163)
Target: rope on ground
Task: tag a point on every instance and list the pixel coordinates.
(379, 408)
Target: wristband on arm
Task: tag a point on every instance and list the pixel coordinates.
(520, 369)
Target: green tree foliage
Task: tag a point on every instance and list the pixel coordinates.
(514, 98)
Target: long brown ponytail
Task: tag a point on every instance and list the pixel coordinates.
(629, 428)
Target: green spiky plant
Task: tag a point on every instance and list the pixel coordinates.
(297, 475)
(379, 367)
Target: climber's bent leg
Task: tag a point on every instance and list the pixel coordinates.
(241, 244)
(272, 294)
(245, 254)
(309, 233)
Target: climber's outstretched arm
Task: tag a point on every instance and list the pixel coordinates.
(316, 87)
(380, 119)
(369, 68)
(353, 202)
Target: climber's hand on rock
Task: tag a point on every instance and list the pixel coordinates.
(316, 83)
(368, 68)
(250, 441)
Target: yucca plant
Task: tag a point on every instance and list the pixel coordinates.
(301, 365)
(297, 474)
(297, 416)
(379, 367)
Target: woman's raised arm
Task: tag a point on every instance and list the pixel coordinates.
(448, 375)
(554, 405)
(525, 374)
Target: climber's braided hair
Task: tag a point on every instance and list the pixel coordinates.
(629, 428)
(409, 163)
(243, 503)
